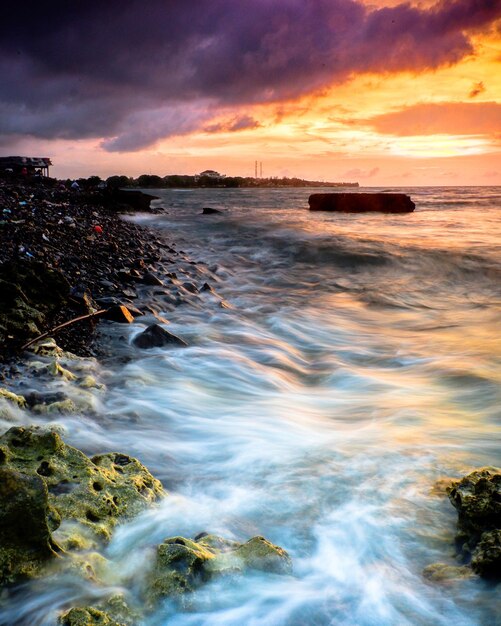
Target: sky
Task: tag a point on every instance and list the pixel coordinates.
(371, 91)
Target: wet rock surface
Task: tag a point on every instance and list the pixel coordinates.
(477, 499)
(54, 498)
(25, 537)
(182, 565)
(157, 337)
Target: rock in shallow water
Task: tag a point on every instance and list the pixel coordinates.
(182, 565)
(61, 498)
(25, 539)
(361, 202)
(157, 337)
(477, 498)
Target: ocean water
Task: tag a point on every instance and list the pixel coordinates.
(343, 365)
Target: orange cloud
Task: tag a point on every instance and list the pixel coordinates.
(447, 118)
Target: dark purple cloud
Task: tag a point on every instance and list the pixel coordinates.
(135, 71)
(240, 122)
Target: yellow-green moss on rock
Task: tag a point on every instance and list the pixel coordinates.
(20, 401)
(114, 611)
(182, 565)
(25, 538)
(87, 616)
(53, 497)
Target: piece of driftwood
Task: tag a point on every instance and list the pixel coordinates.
(56, 329)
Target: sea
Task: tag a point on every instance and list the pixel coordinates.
(340, 368)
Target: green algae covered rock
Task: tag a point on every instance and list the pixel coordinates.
(25, 538)
(114, 611)
(444, 573)
(95, 492)
(87, 616)
(486, 558)
(20, 401)
(477, 498)
(53, 498)
(182, 565)
(259, 554)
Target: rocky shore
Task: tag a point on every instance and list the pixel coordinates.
(67, 254)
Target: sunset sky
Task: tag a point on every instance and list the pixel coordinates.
(383, 93)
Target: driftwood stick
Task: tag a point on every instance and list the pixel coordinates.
(56, 329)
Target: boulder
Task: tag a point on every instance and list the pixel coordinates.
(444, 573)
(114, 611)
(157, 337)
(25, 519)
(5, 394)
(477, 498)
(151, 279)
(118, 313)
(361, 202)
(88, 496)
(182, 565)
(87, 616)
(210, 211)
(137, 200)
(190, 287)
(486, 558)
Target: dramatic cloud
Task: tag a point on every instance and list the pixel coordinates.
(133, 72)
(241, 122)
(461, 118)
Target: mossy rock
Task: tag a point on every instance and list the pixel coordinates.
(260, 554)
(182, 565)
(54, 500)
(444, 573)
(87, 616)
(486, 559)
(114, 611)
(25, 539)
(95, 492)
(20, 401)
(477, 498)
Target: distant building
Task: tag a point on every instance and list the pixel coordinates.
(211, 174)
(26, 165)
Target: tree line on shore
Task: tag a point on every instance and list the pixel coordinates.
(186, 182)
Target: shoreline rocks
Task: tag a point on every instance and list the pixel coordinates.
(58, 507)
(157, 337)
(54, 499)
(61, 252)
(477, 499)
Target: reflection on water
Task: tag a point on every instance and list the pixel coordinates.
(356, 363)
